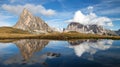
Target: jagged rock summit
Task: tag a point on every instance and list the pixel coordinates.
(118, 32)
(74, 26)
(94, 29)
(31, 23)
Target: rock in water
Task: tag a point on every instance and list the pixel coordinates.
(31, 23)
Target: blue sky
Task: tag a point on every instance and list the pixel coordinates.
(57, 13)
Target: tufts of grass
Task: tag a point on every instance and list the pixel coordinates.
(12, 30)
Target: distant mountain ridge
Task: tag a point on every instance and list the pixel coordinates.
(118, 32)
(94, 29)
(31, 23)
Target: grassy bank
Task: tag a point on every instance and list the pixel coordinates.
(55, 36)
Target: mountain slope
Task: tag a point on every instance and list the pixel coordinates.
(31, 23)
(12, 30)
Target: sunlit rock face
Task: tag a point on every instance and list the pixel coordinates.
(94, 29)
(89, 46)
(31, 23)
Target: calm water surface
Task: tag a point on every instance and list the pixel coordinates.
(50, 53)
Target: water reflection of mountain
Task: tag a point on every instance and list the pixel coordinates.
(27, 48)
(98, 51)
(89, 46)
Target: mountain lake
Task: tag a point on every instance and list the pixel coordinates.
(56, 53)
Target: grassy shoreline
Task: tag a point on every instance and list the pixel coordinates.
(56, 36)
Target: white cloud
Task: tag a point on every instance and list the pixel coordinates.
(59, 20)
(115, 19)
(111, 11)
(90, 8)
(4, 17)
(4, 49)
(4, 45)
(107, 7)
(91, 18)
(3, 23)
(12, 1)
(35, 9)
(3, 20)
(57, 24)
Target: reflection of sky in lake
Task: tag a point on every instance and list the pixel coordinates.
(7, 49)
(85, 53)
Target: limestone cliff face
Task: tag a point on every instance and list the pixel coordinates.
(94, 29)
(118, 32)
(31, 23)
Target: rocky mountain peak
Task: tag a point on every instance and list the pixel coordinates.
(118, 32)
(25, 12)
(93, 28)
(31, 23)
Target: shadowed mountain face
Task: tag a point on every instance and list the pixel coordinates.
(94, 29)
(31, 23)
(118, 32)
